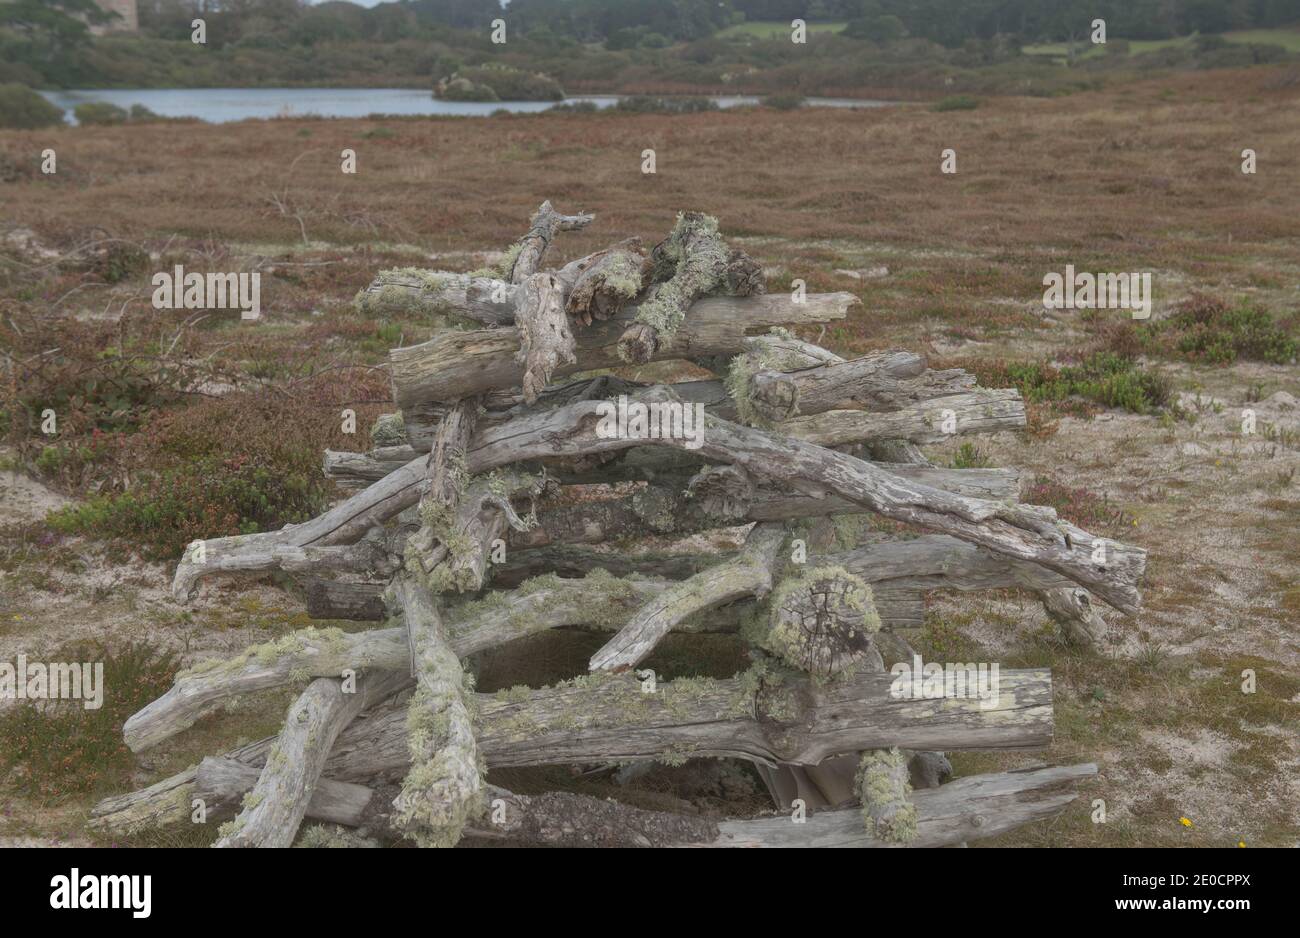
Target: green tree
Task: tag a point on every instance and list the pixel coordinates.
(43, 36)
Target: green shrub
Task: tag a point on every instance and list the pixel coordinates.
(1103, 378)
(53, 751)
(99, 112)
(1206, 329)
(142, 115)
(238, 464)
(956, 102)
(21, 108)
(969, 456)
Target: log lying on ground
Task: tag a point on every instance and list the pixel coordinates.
(443, 788)
(284, 788)
(932, 421)
(967, 809)
(749, 573)
(456, 364)
(599, 600)
(609, 718)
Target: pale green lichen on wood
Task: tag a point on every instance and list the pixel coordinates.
(884, 788)
(784, 634)
(759, 357)
(505, 267)
(622, 275)
(332, 836)
(599, 599)
(330, 641)
(388, 430)
(694, 274)
(657, 508)
(403, 289)
(440, 793)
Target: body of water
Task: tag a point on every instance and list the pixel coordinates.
(220, 105)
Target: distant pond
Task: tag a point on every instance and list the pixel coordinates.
(221, 105)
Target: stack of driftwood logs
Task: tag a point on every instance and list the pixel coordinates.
(465, 534)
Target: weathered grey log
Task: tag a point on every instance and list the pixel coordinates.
(932, 421)
(443, 788)
(609, 718)
(1071, 608)
(340, 599)
(794, 721)
(608, 281)
(837, 387)
(699, 261)
(358, 470)
(455, 364)
(545, 340)
(1022, 532)
(452, 298)
(935, 561)
(885, 789)
(722, 492)
(545, 224)
(430, 547)
(822, 621)
(343, 524)
(455, 298)
(749, 573)
(279, 800)
(963, 810)
(599, 601)
(220, 783)
(968, 809)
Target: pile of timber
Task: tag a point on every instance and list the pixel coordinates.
(466, 531)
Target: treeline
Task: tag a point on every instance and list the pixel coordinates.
(947, 22)
(633, 46)
(952, 22)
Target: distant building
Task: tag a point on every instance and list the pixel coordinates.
(128, 21)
